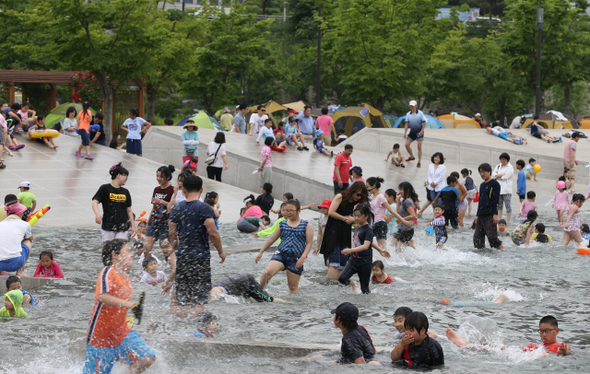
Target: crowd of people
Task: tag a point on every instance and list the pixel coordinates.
(362, 215)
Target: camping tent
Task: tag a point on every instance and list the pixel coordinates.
(271, 107)
(584, 123)
(552, 121)
(297, 106)
(202, 121)
(458, 121)
(59, 113)
(431, 122)
(391, 119)
(352, 119)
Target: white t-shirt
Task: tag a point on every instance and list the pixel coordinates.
(13, 231)
(179, 197)
(258, 122)
(70, 123)
(264, 133)
(211, 149)
(147, 278)
(516, 123)
(134, 126)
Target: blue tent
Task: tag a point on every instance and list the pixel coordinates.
(431, 122)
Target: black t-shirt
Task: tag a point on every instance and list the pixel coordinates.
(362, 234)
(356, 343)
(244, 285)
(428, 353)
(102, 137)
(115, 202)
(489, 197)
(265, 202)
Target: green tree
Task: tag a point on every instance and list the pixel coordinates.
(113, 39)
(382, 46)
(233, 51)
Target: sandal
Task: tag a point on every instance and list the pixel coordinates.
(2, 166)
(418, 165)
(410, 159)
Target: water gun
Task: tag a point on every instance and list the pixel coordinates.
(141, 219)
(34, 217)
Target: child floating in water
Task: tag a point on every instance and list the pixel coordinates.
(548, 331)
(207, 326)
(152, 275)
(379, 274)
(13, 283)
(540, 236)
(417, 350)
(48, 268)
(502, 228)
(13, 302)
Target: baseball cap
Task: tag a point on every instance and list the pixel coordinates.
(346, 311)
(413, 103)
(478, 114)
(325, 204)
(25, 184)
(356, 169)
(293, 119)
(292, 111)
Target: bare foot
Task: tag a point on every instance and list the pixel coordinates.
(4, 273)
(501, 299)
(354, 285)
(21, 274)
(55, 146)
(456, 338)
(501, 248)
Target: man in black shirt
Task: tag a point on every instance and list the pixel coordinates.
(487, 210)
(265, 201)
(357, 346)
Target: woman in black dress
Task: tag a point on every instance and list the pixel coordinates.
(338, 232)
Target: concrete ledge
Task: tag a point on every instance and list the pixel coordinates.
(251, 247)
(28, 283)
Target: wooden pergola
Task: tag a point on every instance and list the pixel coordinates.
(53, 79)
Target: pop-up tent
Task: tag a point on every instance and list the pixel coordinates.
(202, 121)
(551, 120)
(59, 113)
(431, 122)
(352, 119)
(271, 107)
(297, 106)
(458, 121)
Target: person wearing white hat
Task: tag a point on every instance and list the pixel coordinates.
(416, 121)
(227, 120)
(479, 120)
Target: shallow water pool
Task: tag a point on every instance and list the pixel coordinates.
(539, 280)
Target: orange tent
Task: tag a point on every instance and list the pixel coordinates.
(458, 121)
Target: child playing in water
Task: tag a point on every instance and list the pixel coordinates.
(548, 330)
(357, 346)
(530, 170)
(109, 338)
(13, 283)
(289, 196)
(439, 225)
(324, 207)
(207, 326)
(462, 199)
(212, 198)
(390, 196)
(571, 230)
(406, 201)
(585, 231)
(527, 206)
(396, 157)
(161, 197)
(520, 181)
(296, 239)
(560, 201)
(13, 305)
(399, 318)
(168, 252)
(417, 349)
(379, 274)
(361, 255)
(540, 236)
(48, 268)
(318, 144)
(151, 273)
(265, 200)
(522, 233)
(138, 238)
(449, 197)
(502, 228)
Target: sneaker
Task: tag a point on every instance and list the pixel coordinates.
(11, 147)
(331, 154)
(300, 148)
(307, 149)
(89, 157)
(20, 146)
(418, 165)
(397, 165)
(403, 166)
(79, 154)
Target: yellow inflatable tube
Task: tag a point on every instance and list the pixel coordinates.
(33, 134)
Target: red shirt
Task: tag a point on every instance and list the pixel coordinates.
(344, 164)
(160, 213)
(551, 348)
(387, 280)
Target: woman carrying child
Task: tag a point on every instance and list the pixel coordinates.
(296, 239)
(116, 206)
(522, 233)
(571, 229)
(360, 260)
(337, 235)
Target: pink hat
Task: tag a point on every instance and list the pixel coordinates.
(560, 184)
(17, 208)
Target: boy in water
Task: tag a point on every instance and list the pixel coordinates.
(548, 330)
(417, 349)
(502, 228)
(152, 275)
(357, 346)
(243, 285)
(207, 326)
(539, 235)
(109, 337)
(399, 318)
(439, 225)
(449, 197)
(13, 305)
(13, 283)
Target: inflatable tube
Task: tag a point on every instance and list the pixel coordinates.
(584, 251)
(33, 134)
(278, 149)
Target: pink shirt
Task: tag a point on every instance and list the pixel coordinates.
(54, 271)
(527, 207)
(253, 211)
(23, 115)
(377, 207)
(561, 200)
(2, 121)
(570, 144)
(266, 151)
(324, 123)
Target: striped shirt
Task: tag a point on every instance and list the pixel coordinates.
(107, 327)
